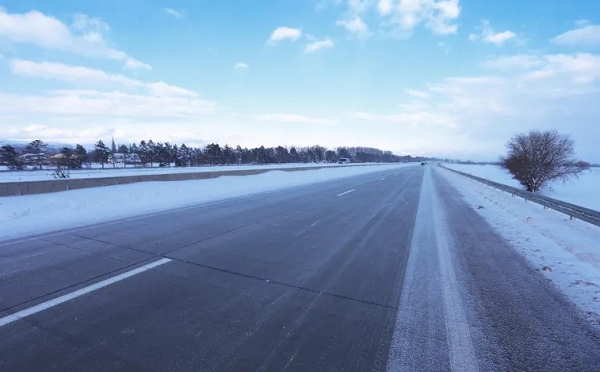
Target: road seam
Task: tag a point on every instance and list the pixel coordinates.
(283, 284)
(78, 293)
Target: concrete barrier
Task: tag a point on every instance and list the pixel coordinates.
(43, 187)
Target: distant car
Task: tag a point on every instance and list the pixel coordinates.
(344, 161)
(423, 163)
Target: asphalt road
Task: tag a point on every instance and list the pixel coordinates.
(389, 271)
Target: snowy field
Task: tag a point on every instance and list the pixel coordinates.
(566, 252)
(46, 174)
(583, 191)
(32, 214)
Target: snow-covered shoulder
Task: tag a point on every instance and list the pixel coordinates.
(583, 190)
(565, 251)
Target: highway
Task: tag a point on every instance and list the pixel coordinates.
(388, 271)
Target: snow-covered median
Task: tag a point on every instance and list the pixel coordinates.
(109, 171)
(567, 252)
(32, 214)
(583, 190)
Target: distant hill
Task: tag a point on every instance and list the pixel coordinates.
(20, 145)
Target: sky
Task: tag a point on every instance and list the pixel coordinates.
(448, 78)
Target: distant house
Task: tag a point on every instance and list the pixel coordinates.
(121, 159)
(60, 159)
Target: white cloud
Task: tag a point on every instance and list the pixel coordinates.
(134, 64)
(85, 37)
(318, 45)
(401, 17)
(84, 23)
(417, 93)
(581, 68)
(475, 115)
(241, 66)
(587, 35)
(162, 89)
(359, 6)
(355, 26)
(488, 35)
(285, 33)
(88, 77)
(519, 61)
(411, 118)
(405, 15)
(174, 13)
(500, 37)
(294, 118)
(384, 7)
(107, 105)
(72, 74)
(369, 116)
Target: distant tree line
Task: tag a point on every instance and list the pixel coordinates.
(150, 153)
(153, 153)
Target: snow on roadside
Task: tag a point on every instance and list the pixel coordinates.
(46, 174)
(566, 252)
(33, 214)
(583, 190)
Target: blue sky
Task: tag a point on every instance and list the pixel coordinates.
(449, 78)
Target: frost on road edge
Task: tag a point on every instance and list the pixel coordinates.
(566, 252)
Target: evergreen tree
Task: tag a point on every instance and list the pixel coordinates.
(163, 154)
(343, 152)
(214, 153)
(175, 155)
(143, 153)
(37, 148)
(184, 155)
(101, 153)
(295, 157)
(8, 157)
(330, 156)
(151, 152)
(229, 155)
(319, 153)
(282, 155)
(81, 156)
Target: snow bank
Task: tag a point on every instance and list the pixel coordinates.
(566, 252)
(583, 191)
(46, 174)
(31, 214)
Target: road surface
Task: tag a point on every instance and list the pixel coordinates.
(389, 271)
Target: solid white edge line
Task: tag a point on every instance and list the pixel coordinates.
(80, 292)
(347, 192)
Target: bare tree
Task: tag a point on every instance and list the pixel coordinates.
(537, 157)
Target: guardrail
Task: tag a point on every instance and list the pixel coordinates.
(50, 186)
(572, 210)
